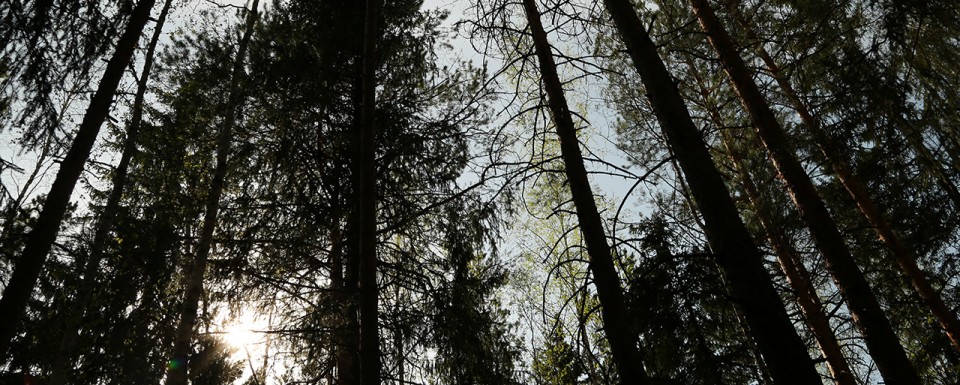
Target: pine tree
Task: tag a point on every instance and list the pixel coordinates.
(783, 351)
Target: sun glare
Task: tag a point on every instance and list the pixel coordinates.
(243, 331)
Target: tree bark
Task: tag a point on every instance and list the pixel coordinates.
(342, 355)
(783, 351)
(65, 353)
(613, 310)
(41, 238)
(367, 192)
(177, 367)
(879, 336)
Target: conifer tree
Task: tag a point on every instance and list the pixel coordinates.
(179, 362)
(885, 347)
(783, 352)
(41, 238)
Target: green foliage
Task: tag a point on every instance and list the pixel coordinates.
(473, 340)
(557, 363)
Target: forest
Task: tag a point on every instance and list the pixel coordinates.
(442, 192)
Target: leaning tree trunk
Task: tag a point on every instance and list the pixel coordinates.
(367, 194)
(613, 310)
(797, 275)
(752, 289)
(177, 368)
(41, 238)
(884, 346)
(790, 263)
(858, 191)
(63, 361)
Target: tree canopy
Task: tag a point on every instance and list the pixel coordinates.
(487, 192)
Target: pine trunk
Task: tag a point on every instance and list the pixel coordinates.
(783, 351)
(63, 361)
(343, 347)
(348, 360)
(858, 191)
(797, 276)
(367, 192)
(879, 336)
(790, 263)
(41, 238)
(616, 323)
(177, 367)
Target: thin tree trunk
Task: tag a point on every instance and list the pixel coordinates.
(879, 336)
(752, 289)
(67, 350)
(858, 191)
(348, 364)
(341, 277)
(367, 192)
(797, 275)
(177, 368)
(623, 341)
(41, 238)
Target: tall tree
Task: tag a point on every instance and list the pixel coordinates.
(178, 366)
(797, 275)
(623, 341)
(885, 347)
(66, 351)
(865, 202)
(41, 238)
(366, 178)
(783, 352)
(790, 263)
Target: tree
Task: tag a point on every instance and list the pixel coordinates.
(470, 331)
(883, 342)
(177, 369)
(68, 342)
(623, 341)
(783, 351)
(867, 205)
(366, 224)
(41, 238)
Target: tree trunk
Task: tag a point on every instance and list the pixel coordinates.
(41, 238)
(369, 292)
(797, 275)
(63, 361)
(783, 351)
(879, 336)
(623, 341)
(177, 367)
(343, 281)
(858, 191)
